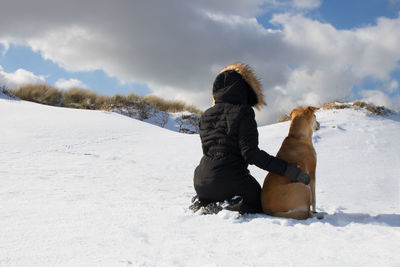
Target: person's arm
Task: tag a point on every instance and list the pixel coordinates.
(248, 143)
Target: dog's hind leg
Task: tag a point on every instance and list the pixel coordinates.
(293, 202)
(301, 213)
(299, 195)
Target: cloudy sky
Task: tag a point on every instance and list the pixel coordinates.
(304, 51)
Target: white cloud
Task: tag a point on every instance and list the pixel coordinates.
(19, 77)
(393, 86)
(64, 84)
(307, 4)
(5, 45)
(177, 47)
(328, 63)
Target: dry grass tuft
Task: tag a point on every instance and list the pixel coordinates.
(79, 98)
(377, 110)
(85, 99)
(335, 105)
(39, 93)
(171, 106)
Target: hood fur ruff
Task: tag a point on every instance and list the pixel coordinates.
(248, 75)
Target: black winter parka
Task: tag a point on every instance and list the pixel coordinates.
(229, 136)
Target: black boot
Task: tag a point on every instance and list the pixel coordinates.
(233, 204)
(212, 208)
(196, 204)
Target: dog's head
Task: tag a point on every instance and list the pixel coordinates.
(308, 114)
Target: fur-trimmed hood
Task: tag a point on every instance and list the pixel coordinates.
(237, 84)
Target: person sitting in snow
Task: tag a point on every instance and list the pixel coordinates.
(229, 137)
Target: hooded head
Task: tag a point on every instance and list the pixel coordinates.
(237, 84)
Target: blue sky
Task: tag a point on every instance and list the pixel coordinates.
(346, 14)
(174, 50)
(18, 57)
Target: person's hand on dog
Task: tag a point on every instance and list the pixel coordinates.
(294, 173)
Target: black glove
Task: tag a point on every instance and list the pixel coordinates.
(296, 174)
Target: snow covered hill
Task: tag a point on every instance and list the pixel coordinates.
(93, 188)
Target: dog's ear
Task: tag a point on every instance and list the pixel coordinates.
(312, 109)
(293, 113)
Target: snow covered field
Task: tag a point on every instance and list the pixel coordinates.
(93, 188)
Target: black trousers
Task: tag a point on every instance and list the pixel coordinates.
(222, 189)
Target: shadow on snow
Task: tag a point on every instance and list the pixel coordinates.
(339, 219)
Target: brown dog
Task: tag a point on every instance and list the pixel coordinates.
(280, 196)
